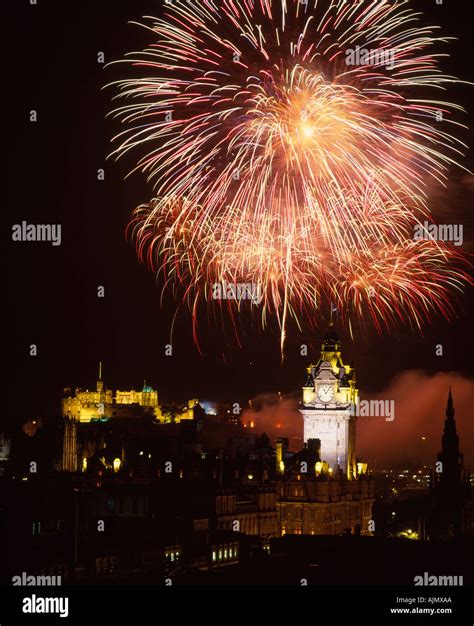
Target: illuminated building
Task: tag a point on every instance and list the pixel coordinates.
(89, 407)
(188, 411)
(225, 554)
(323, 489)
(252, 511)
(146, 397)
(101, 404)
(328, 408)
(88, 415)
(314, 500)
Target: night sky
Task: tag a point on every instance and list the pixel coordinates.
(51, 294)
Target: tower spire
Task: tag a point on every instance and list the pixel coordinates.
(450, 406)
(449, 491)
(450, 441)
(100, 384)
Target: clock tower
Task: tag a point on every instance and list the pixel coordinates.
(329, 407)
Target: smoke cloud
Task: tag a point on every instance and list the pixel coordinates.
(413, 437)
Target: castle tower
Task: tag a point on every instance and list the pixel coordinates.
(329, 406)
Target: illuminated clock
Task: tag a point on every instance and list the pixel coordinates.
(325, 393)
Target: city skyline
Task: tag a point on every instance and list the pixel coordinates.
(415, 427)
(240, 304)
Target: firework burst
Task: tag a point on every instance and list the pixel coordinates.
(276, 161)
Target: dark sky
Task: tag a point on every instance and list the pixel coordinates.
(51, 294)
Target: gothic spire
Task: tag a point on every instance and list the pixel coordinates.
(450, 438)
(450, 406)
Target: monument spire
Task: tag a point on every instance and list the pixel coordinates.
(100, 384)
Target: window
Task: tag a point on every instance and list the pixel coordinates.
(214, 556)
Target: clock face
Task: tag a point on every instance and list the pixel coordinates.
(325, 393)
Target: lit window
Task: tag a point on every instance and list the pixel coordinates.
(231, 553)
(214, 555)
(225, 554)
(172, 556)
(220, 555)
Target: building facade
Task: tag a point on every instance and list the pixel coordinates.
(101, 404)
(323, 489)
(252, 511)
(329, 407)
(313, 500)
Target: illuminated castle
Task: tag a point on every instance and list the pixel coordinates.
(84, 412)
(329, 406)
(86, 406)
